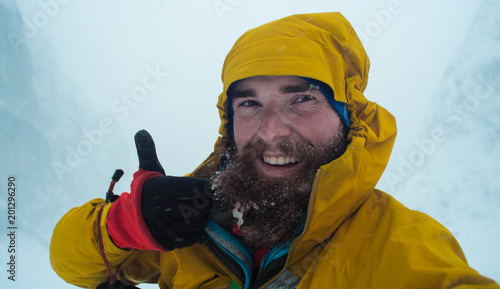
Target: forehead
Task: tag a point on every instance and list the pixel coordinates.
(286, 83)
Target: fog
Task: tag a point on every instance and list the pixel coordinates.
(68, 70)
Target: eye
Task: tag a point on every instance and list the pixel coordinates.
(248, 103)
(304, 98)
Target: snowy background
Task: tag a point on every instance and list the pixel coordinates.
(79, 78)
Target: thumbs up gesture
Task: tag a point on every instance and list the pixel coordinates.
(146, 151)
(161, 212)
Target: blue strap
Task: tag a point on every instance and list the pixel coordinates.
(233, 247)
(275, 253)
(280, 251)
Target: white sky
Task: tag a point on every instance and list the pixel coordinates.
(104, 48)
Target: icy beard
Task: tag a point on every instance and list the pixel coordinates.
(269, 210)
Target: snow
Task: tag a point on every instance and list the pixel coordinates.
(82, 77)
(238, 215)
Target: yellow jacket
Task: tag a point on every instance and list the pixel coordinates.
(355, 236)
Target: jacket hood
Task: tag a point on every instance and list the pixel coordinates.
(321, 46)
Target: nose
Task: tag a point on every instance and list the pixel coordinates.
(274, 126)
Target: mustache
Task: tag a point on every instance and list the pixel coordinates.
(302, 149)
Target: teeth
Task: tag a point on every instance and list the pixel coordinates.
(280, 160)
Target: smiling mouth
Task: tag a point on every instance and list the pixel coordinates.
(280, 161)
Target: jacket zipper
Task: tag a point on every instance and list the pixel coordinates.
(306, 226)
(223, 266)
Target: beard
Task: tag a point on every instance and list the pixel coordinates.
(270, 210)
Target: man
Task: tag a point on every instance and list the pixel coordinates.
(286, 200)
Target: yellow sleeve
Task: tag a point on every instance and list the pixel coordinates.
(75, 254)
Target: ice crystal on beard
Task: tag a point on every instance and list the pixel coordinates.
(238, 215)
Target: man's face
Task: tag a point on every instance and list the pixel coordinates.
(284, 130)
(270, 110)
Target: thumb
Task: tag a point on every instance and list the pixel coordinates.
(146, 152)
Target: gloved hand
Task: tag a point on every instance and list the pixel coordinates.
(162, 212)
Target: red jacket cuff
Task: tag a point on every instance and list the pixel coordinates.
(125, 223)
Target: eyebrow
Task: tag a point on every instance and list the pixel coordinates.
(284, 89)
(241, 93)
(296, 88)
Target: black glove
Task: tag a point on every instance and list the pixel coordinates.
(175, 209)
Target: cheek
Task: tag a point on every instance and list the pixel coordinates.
(319, 128)
(242, 131)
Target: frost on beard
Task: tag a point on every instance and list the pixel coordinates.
(238, 215)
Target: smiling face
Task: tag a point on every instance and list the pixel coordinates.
(284, 129)
(284, 117)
